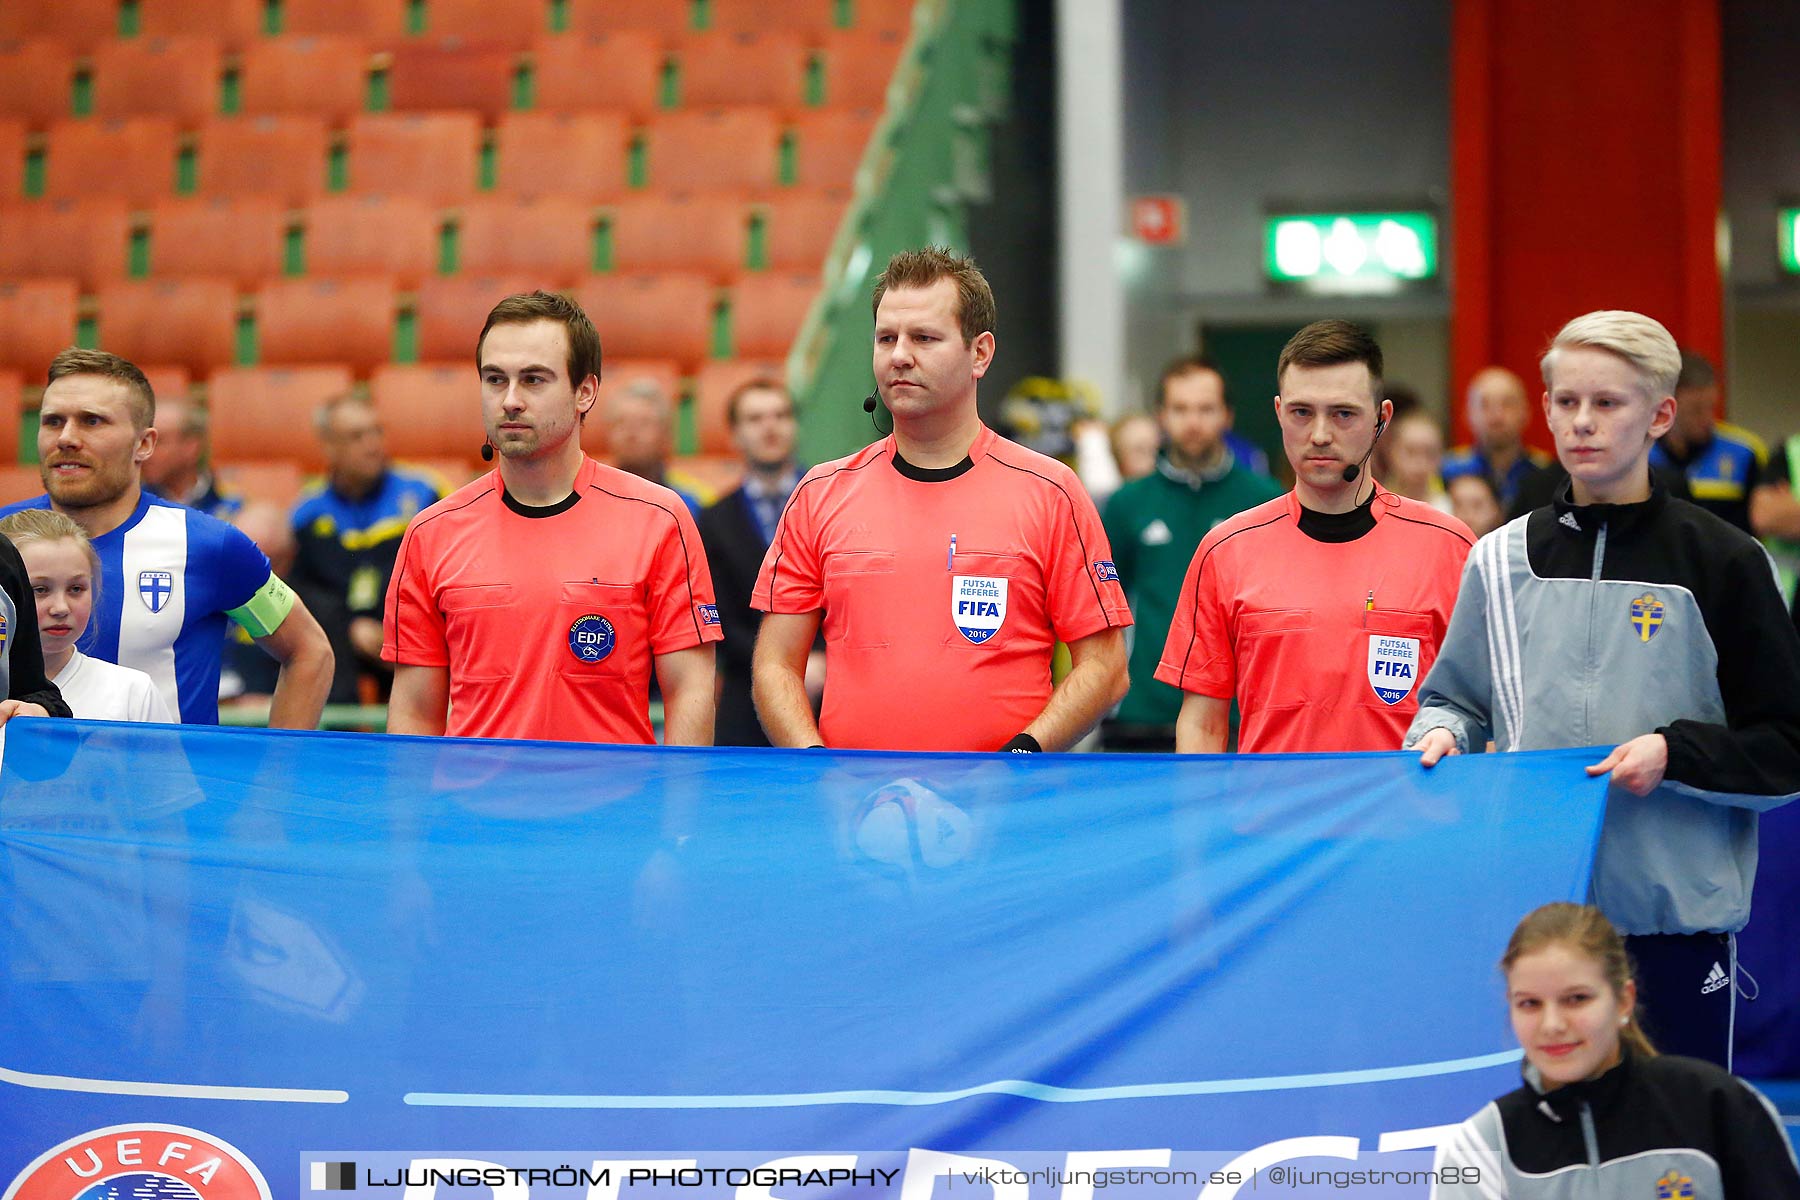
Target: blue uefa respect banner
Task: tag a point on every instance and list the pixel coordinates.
(281, 953)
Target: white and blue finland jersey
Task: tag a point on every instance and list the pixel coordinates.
(169, 576)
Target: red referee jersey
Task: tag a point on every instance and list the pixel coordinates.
(1323, 644)
(550, 619)
(944, 592)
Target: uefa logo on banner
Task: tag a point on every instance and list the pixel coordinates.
(141, 1162)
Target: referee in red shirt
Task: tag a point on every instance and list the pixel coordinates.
(943, 562)
(537, 601)
(1321, 610)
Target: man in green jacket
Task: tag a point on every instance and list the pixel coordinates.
(1155, 524)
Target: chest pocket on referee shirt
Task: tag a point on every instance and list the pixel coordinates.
(470, 622)
(605, 629)
(1396, 655)
(862, 608)
(983, 605)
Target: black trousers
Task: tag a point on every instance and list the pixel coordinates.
(1687, 987)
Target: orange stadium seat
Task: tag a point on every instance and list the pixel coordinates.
(323, 76)
(37, 319)
(12, 387)
(166, 382)
(550, 238)
(429, 155)
(616, 375)
(237, 239)
(430, 410)
(859, 65)
(277, 483)
(12, 159)
(283, 157)
(35, 80)
(680, 233)
(620, 70)
(767, 311)
(664, 17)
(372, 235)
(512, 26)
(266, 412)
(380, 20)
(451, 75)
(162, 76)
(743, 68)
(133, 159)
(830, 145)
(78, 24)
(896, 15)
(19, 482)
(571, 154)
(451, 312)
(192, 322)
(58, 238)
(713, 386)
(800, 228)
(326, 320)
(715, 148)
(651, 316)
(239, 22)
(811, 17)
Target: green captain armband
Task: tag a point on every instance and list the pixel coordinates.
(263, 613)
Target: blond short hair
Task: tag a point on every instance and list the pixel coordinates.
(1639, 340)
(46, 525)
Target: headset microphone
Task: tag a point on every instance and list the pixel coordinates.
(1355, 469)
(487, 452)
(874, 398)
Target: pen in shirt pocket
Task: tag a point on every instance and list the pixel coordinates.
(1368, 607)
(950, 558)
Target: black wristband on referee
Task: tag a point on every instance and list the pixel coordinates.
(1024, 743)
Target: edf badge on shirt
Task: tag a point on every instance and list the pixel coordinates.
(1393, 666)
(978, 605)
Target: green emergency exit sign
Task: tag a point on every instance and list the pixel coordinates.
(1351, 252)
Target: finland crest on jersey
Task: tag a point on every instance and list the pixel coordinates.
(978, 605)
(155, 588)
(1393, 666)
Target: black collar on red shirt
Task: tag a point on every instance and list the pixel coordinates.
(1338, 527)
(548, 510)
(932, 474)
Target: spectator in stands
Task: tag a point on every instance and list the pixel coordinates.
(180, 469)
(1616, 615)
(1723, 463)
(1498, 413)
(1775, 517)
(27, 687)
(64, 571)
(346, 531)
(1601, 1112)
(640, 428)
(943, 562)
(1472, 501)
(1410, 457)
(1319, 610)
(190, 572)
(537, 601)
(1154, 525)
(249, 674)
(737, 531)
(1136, 441)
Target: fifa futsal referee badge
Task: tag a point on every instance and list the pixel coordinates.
(978, 605)
(1393, 666)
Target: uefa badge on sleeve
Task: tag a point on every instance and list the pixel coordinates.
(978, 605)
(1393, 666)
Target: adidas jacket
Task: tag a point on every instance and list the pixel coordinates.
(1588, 626)
(1650, 1127)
